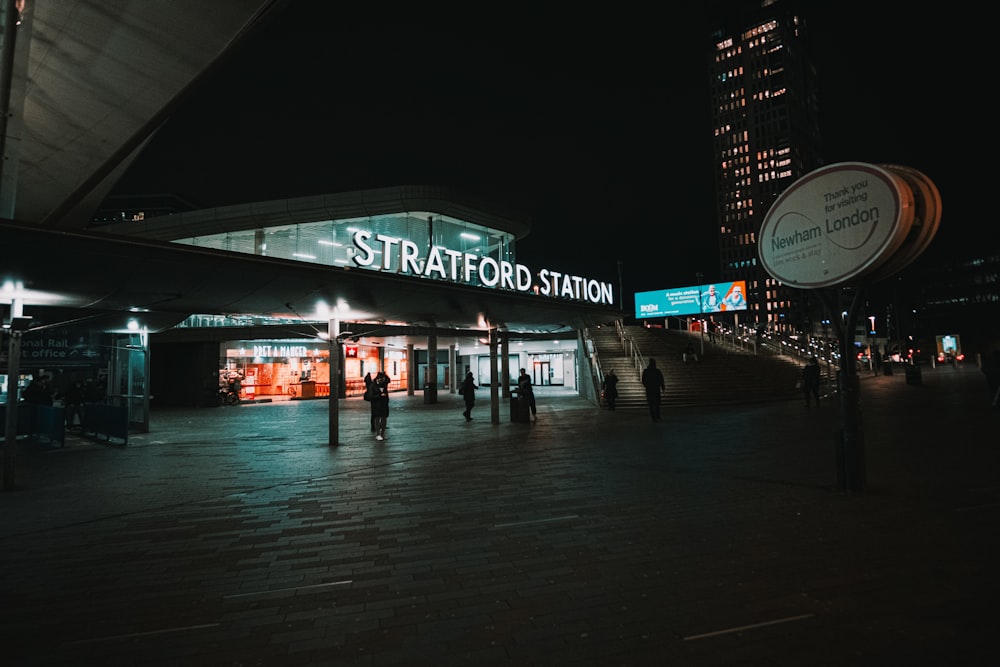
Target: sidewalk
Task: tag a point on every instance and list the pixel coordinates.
(238, 536)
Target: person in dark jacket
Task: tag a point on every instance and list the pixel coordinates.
(380, 403)
(468, 391)
(810, 380)
(73, 402)
(525, 392)
(368, 397)
(38, 391)
(652, 380)
(610, 388)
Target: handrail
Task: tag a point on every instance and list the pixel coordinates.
(630, 348)
(596, 372)
(749, 339)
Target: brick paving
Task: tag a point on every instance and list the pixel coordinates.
(238, 536)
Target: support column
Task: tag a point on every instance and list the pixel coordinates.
(494, 378)
(430, 377)
(411, 369)
(505, 365)
(453, 369)
(17, 327)
(333, 334)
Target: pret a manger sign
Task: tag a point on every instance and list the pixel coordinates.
(848, 220)
(389, 253)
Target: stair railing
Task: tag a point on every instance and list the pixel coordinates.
(596, 372)
(630, 348)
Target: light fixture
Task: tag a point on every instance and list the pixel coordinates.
(18, 324)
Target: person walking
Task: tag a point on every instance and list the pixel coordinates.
(73, 400)
(610, 389)
(468, 391)
(380, 403)
(368, 397)
(38, 391)
(810, 380)
(525, 392)
(689, 354)
(652, 380)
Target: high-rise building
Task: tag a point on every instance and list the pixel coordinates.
(765, 114)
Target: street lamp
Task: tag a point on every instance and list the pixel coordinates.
(871, 345)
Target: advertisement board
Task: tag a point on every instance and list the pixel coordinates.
(694, 300)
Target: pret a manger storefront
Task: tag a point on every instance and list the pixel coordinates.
(279, 369)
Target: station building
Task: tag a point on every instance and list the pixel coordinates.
(419, 281)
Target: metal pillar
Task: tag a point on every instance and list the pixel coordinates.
(411, 369)
(430, 377)
(453, 369)
(10, 427)
(333, 334)
(505, 365)
(494, 377)
(849, 441)
(17, 326)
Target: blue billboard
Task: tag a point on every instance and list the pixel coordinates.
(694, 300)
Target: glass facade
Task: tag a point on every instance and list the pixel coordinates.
(330, 242)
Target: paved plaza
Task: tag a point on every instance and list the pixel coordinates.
(238, 536)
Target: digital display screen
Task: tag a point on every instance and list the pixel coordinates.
(694, 300)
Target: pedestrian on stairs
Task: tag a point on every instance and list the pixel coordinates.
(689, 354)
(652, 380)
(810, 380)
(610, 389)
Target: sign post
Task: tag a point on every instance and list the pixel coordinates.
(849, 224)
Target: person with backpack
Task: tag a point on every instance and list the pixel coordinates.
(525, 392)
(468, 391)
(379, 393)
(368, 396)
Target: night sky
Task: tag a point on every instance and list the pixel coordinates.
(595, 126)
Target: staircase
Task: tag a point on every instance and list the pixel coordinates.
(722, 375)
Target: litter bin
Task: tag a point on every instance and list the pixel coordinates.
(888, 368)
(308, 389)
(913, 374)
(519, 410)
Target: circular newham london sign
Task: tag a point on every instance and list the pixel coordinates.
(848, 220)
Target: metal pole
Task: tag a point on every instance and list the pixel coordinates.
(13, 377)
(851, 435)
(494, 376)
(10, 427)
(333, 333)
(505, 366)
